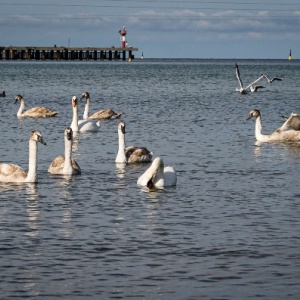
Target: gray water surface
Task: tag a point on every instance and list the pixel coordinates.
(228, 230)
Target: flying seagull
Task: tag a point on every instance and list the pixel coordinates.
(273, 79)
(250, 87)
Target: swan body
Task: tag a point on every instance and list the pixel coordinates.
(82, 125)
(132, 154)
(102, 114)
(13, 173)
(288, 132)
(36, 112)
(250, 87)
(158, 176)
(65, 164)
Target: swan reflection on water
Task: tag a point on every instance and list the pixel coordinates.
(288, 148)
(33, 209)
(120, 170)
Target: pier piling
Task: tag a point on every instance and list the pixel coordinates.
(66, 53)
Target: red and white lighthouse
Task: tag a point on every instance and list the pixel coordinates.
(123, 33)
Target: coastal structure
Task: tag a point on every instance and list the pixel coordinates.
(66, 53)
(70, 53)
(290, 55)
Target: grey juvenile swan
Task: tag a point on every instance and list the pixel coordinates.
(288, 132)
(65, 164)
(101, 114)
(35, 112)
(132, 154)
(13, 173)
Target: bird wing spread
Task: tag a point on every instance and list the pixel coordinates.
(292, 123)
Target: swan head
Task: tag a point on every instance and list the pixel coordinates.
(157, 168)
(18, 98)
(121, 127)
(74, 101)
(69, 133)
(253, 114)
(36, 135)
(85, 95)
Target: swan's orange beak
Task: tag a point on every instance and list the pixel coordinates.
(74, 103)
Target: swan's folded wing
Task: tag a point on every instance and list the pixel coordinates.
(138, 154)
(57, 165)
(11, 171)
(40, 111)
(102, 114)
(292, 123)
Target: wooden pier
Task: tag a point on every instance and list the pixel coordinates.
(66, 53)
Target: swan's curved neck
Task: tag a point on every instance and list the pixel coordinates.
(68, 151)
(86, 109)
(32, 167)
(121, 156)
(74, 124)
(258, 130)
(21, 109)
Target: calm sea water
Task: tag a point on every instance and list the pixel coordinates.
(228, 230)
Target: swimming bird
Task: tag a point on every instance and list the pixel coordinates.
(288, 132)
(65, 164)
(12, 173)
(36, 112)
(273, 79)
(82, 125)
(2, 94)
(101, 114)
(250, 87)
(158, 176)
(131, 154)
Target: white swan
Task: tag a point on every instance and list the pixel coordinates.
(250, 87)
(271, 80)
(158, 176)
(65, 164)
(101, 114)
(35, 112)
(13, 173)
(288, 132)
(82, 125)
(132, 154)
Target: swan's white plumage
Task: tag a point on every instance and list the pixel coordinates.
(13, 173)
(102, 114)
(82, 125)
(131, 154)
(65, 164)
(158, 176)
(288, 132)
(35, 112)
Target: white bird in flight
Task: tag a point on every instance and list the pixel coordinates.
(273, 79)
(250, 87)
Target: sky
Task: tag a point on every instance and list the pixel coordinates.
(241, 29)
